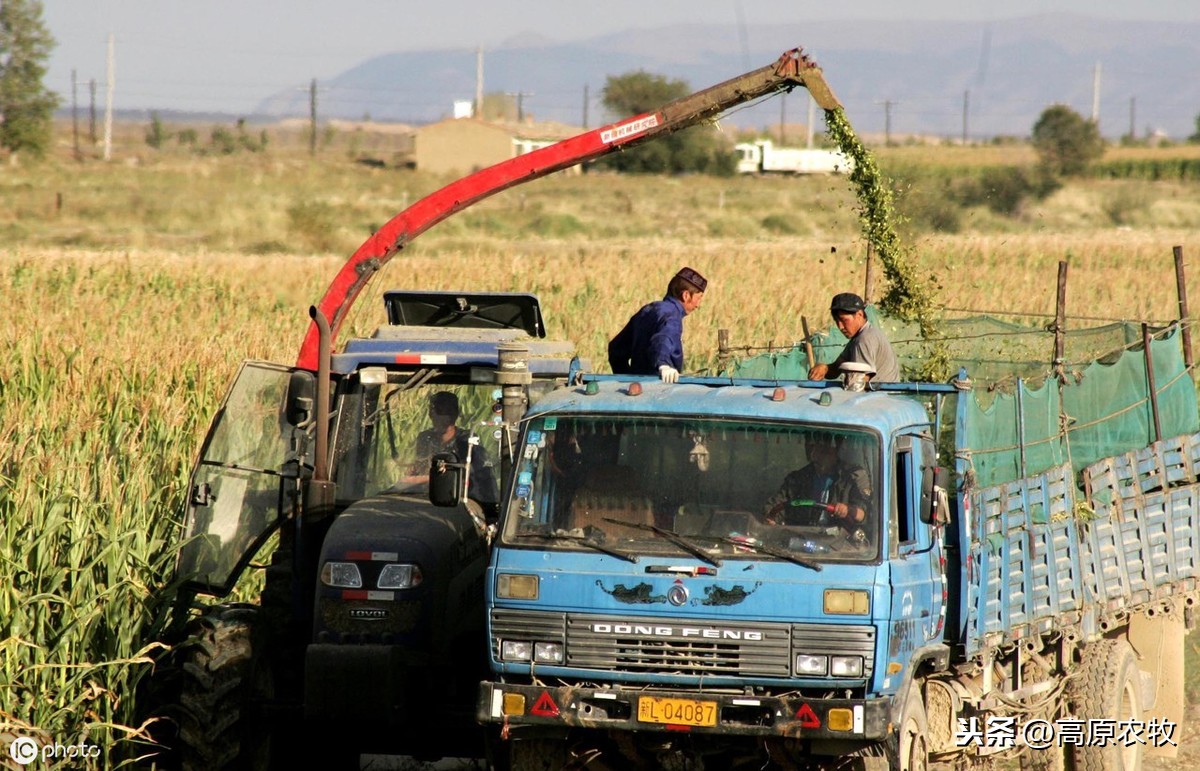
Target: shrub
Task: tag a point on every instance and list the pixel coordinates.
(315, 223)
(156, 133)
(782, 224)
(1065, 141)
(556, 225)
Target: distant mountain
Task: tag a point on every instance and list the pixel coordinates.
(920, 73)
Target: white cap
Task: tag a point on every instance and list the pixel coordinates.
(857, 366)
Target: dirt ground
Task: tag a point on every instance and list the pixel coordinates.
(1189, 746)
(1187, 736)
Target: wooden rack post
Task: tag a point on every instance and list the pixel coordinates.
(1185, 323)
(1060, 323)
(1150, 382)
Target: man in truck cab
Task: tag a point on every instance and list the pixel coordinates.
(827, 491)
(868, 345)
(447, 436)
(651, 342)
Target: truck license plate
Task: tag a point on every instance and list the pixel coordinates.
(652, 709)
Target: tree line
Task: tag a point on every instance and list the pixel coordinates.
(1066, 142)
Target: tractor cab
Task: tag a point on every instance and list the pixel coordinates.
(383, 481)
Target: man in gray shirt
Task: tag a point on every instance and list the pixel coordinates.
(867, 345)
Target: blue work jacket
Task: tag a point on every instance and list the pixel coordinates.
(652, 337)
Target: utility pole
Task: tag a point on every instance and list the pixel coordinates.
(520, 95)
(887, 122)
(92, 114)
(312, 118)
(75, 116)
(1132, 114)
(585, 106)
(1096, 95)
(108, 102)
(966, 112)
(479, 82)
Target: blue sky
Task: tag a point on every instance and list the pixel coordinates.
(228, 54)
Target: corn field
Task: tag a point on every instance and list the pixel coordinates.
(116, 361)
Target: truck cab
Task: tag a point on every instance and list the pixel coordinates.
(673, 573)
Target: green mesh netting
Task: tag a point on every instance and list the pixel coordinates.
(1101, 410)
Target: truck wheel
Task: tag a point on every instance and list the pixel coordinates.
(1107, 687)
(221, 724)
(914, 752)
(537, 755)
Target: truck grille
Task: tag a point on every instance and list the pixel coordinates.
(837, 640)
(687, 648)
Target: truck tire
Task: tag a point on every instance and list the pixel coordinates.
(914, 752)
(1107, 687)
(221, 723)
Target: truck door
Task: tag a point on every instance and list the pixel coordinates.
(241, 482)
(918, 576)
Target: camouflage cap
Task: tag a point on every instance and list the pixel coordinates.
(693, 277)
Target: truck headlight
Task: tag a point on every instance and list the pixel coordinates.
(516, 650)
(510, 586)
(341, 574)
(548, 653)
(811, 665)
(399, 577)
(846, 666)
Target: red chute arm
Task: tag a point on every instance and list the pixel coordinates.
(791, 69)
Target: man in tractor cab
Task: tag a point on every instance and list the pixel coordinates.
(868, 345)
(447, 436)
(827, 491)
(651, 342)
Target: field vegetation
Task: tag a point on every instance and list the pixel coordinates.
(134, 289)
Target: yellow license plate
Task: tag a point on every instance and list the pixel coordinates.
(652, 709)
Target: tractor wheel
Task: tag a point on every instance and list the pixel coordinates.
(1107, 687)
(221, 720)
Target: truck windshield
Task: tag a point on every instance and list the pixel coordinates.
(639, 485)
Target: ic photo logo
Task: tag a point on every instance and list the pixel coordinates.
(25, 750)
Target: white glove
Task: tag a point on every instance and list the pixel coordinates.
(668, 373)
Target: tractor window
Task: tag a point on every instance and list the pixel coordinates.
(610, 480)
(389, 433)
(239, 485)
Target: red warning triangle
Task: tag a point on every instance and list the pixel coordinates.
(807, 718)
(544, 706)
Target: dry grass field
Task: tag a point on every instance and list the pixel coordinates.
(135, 288)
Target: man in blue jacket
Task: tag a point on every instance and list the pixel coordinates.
(651, 343)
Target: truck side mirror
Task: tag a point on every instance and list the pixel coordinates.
(935, 499)
(446, 475)
(301, 396)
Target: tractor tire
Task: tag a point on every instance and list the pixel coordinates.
(1107, 687)
(221, 719)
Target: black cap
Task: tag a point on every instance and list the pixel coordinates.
(694, 278)
(846, 302)
(444, 403)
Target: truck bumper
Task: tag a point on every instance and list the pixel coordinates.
(645, 710)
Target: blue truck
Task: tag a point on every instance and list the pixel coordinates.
(980, 580)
